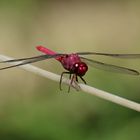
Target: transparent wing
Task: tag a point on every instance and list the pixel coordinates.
(111, 55)
(24, 61)
(109, 67)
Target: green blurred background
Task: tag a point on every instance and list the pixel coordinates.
(33, 107)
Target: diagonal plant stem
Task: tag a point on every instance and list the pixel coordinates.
(88, 89)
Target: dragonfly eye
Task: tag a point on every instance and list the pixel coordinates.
(80, 68)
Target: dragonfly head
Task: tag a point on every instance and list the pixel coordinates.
(80, 68)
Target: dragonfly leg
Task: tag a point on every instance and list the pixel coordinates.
(75, 80)
(60, 83)
(71, 82)
(72, 77)
(83, 79)
(76, 83)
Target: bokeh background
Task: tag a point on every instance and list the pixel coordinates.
(33, 107)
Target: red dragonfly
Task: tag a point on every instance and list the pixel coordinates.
(75, 63)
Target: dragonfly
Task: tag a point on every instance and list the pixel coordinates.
(76, 64)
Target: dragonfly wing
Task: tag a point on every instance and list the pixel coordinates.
(111, 55)
(24, 61)
(31, 58)
(109, 67)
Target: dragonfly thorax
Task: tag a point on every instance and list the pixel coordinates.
(79, 68)
(73, 64)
